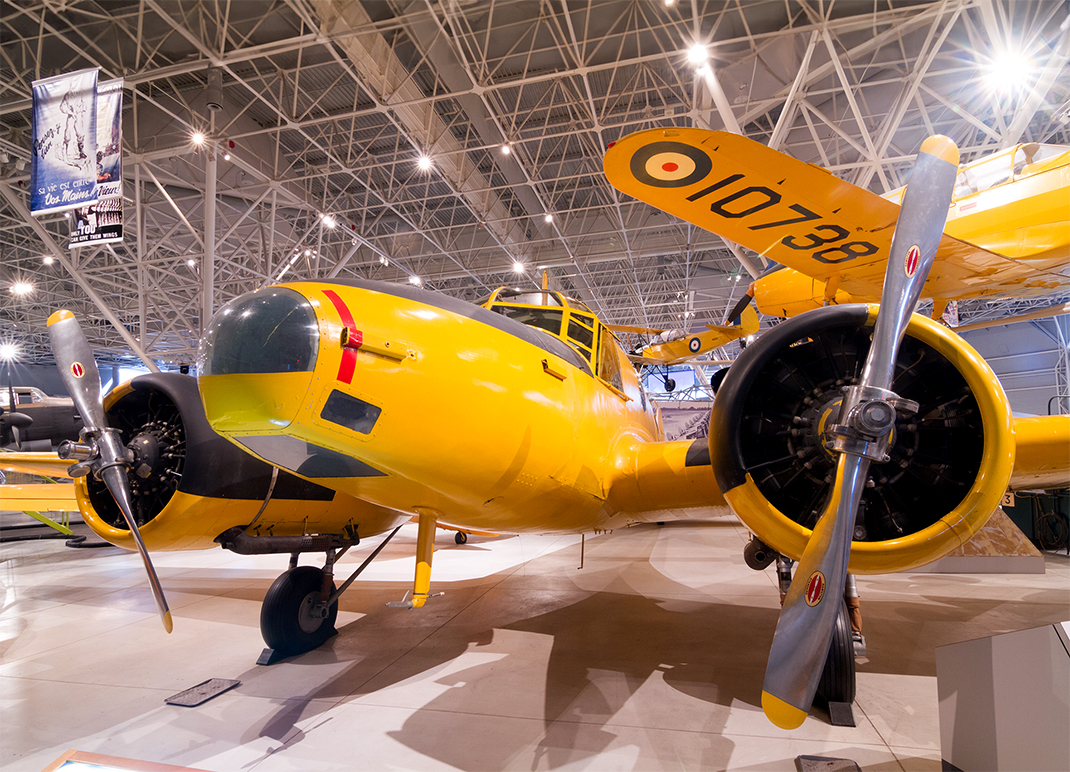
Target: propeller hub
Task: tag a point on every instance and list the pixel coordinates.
(146, 450)
(874, 417)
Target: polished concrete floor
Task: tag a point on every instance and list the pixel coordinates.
(650, 657)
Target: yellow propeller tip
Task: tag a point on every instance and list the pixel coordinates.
(942, 147)
(59, 316)
(781, 713)
(168, 625)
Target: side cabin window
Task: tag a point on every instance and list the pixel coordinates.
(549, 319)
(609, 361)
(581, 334)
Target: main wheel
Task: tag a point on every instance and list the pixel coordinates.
(287, 621)
(460, 537)
(837, 682)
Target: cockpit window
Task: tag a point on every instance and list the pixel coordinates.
(528, 298)
(544, 318)
(272, 330)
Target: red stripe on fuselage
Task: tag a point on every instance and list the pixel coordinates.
(349, 355)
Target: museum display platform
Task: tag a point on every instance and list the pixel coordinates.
(650, 657)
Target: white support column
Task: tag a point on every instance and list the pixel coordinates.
(208, 264)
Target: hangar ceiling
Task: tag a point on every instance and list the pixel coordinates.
(330, 104)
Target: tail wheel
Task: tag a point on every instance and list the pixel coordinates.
(287, 619)
(837, 682)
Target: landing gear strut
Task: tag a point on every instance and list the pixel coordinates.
(301, 607)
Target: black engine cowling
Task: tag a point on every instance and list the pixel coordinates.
(949, 463)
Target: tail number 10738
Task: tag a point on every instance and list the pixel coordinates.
(826, 240)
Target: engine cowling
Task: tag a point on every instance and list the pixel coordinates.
(949, 463)
(188, 484)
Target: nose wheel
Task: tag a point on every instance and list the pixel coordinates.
(294, 619)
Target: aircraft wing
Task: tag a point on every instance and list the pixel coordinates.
(690, 346)
(799, 215)
(46, 464)
(38, 497)
(636, 330)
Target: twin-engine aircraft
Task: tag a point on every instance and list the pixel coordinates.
(349, 407)
(1007, 232)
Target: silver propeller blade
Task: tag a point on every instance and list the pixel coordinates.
(82, 379)
(804, 630)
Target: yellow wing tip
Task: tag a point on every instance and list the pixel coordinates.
(781, 713)
(942, 147)
(168, 625)
(59, 316)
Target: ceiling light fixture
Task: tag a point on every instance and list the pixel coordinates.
(197, 138)
(424, 163)
(22, 288)
(48, 259)
(698, 54)
(549, 218)
(1008, 70)
(518, 267)
(8, 351)
(415, 280)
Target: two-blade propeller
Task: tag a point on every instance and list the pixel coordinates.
(861, 435)
(108, 458)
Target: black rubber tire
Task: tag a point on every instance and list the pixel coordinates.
(460, 537)
(280, 616)
(837, 682)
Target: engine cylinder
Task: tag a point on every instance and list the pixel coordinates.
(949, 463)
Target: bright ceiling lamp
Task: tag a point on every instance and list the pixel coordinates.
(197, 138)
(698, 54)
(22, 288)
(424, 163)
(8, 351)
(415, 281)
(518, 267)
(1008, 71)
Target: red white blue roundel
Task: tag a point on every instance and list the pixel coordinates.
(912, 260)
(670, 164)
(694, 345)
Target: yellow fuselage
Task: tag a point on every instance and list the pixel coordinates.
(477, 423)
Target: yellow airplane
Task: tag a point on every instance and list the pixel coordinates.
(673, 347)
(349, 407)
(1007, 231)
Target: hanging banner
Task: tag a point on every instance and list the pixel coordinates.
(99, 223)
(109, 139)
(63, 142)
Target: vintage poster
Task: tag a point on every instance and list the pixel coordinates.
(110, 139)
(99, 223)
(63, 149)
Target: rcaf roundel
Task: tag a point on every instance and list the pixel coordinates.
(694, 345)
(670, 164)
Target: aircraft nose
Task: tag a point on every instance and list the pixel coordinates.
(272, 330)
(257, 359)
